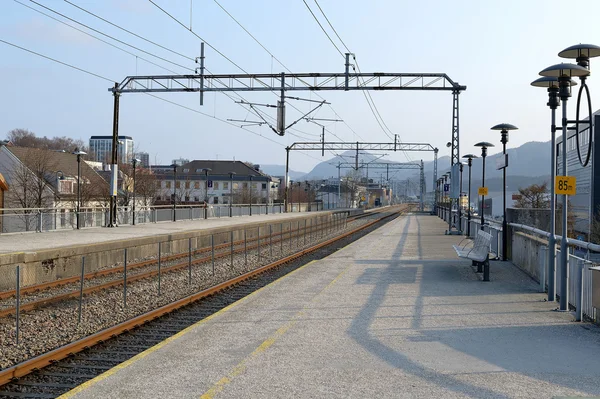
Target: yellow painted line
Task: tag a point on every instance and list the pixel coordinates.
(241, 366)
(156, 347)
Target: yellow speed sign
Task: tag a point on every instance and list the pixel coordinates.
(566, 185)
(482, 191)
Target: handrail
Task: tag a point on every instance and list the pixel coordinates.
(572, 241)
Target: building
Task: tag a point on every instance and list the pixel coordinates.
(101, 149)
(180, 161)
(144, 157)
(45, 180)
(585, 204)
(190, 181)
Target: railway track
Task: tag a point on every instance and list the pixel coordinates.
(74, 363)
(37, 288)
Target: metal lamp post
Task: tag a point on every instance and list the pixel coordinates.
(504, 129)
(460, 197)
(250, 189)
(469, 158)
(231, 174)
(551, 83)
(564, 72)
(206, 170)
(484, 146)
(134, 161)
(79, 154)
(446, 197)
(308, 194)
(174, 166)
(291, 196)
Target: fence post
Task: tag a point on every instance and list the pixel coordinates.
(159, 265)
(543, 265)
(125, 278)
(271, 240)
(190, 260)
(18, 304)
(81, 289)
(258, 247)
(231, 246)
(304, 231)
(40, 220)
(297, 233)
(212, 252)
(245, 249)
(579, 287)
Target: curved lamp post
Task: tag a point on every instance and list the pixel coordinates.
(504, 129)
(231, 174)
(484, 146)
(134, 161)
(551, 83)
(469, 158)
(564, 72)
(79, 153)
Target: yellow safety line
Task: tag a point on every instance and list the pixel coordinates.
(241, 366)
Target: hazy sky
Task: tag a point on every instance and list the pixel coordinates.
(495, 47)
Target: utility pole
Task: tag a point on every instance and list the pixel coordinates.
(113, 170)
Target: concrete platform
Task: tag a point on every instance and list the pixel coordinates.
(395, 314)
(24, 242)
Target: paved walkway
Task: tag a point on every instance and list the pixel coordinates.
(24, 242)
(394, 314)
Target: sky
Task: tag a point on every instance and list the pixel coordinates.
(494, 47)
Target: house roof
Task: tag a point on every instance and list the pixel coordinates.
(54, 161)
(218, 168)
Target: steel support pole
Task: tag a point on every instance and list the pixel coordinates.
(564, 250)
(552, 238)
(504, 224)
(469, 200)
(459, 207)
(133, 194)
(483, 155)
(115, 143)
(286, 183)
(78, 191)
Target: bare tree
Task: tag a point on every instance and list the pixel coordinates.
(534, 196)
(27, 138)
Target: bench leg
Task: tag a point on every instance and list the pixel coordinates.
(486, 270)
(478, 264)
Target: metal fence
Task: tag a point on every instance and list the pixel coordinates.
(43, 219)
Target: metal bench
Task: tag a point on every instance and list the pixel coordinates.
(478, 252)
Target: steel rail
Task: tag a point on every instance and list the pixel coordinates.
(39, 362)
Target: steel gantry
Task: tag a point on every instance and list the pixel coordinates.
(393, 166)
(279, 83)
(358, 147)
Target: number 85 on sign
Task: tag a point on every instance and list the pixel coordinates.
(566, 185)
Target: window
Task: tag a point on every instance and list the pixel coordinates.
(198, 170)
(225, 201)
(245, 185)
(225, 185)
(187, 198)
(177, 184)
(186, 170)
(65, 187)
(235, 186)
(215, 200)
(196, 185)
(187, 184)
(216, 185)
(196, 199)
(168, 184)
(253, 185)
(264, 186)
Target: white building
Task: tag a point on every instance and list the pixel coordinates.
(101, 148)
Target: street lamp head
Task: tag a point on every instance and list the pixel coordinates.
(549, 82)
(79, 152)
(231, 174)
(581, 53)
(504, 126)
(565, 71)
(135, 161)
(469, 158)
(484, 144)
(448, 144)
(206, 170)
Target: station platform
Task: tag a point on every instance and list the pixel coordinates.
(394, 314)
(25, 242)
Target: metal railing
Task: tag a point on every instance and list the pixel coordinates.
(13, 220)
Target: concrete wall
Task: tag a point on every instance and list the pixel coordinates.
(54, 264)
(525, 252)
